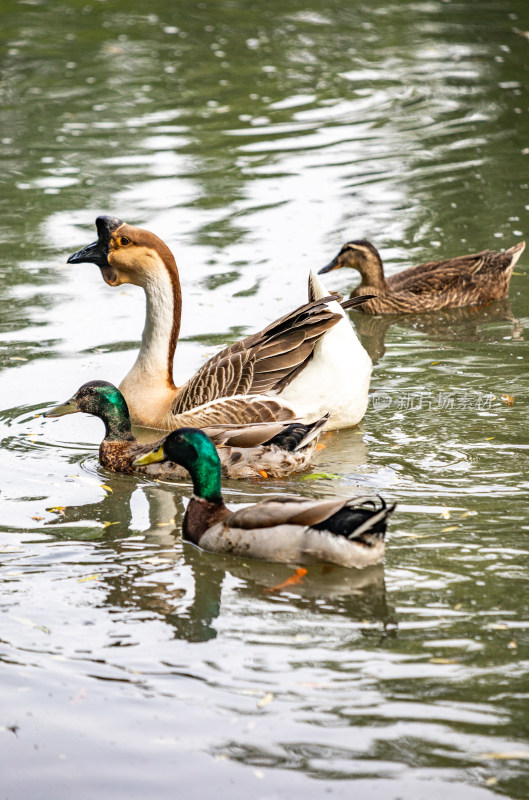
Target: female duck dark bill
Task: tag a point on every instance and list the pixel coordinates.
(303, 365)
(274, 449)
(470, 280)
(290, 530)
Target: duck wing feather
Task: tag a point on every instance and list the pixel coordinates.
(440, 275)
(245, 435)
(287, 435)
(285, 510)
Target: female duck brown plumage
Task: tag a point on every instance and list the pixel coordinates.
(463, 281)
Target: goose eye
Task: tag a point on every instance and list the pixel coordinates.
(124, 241)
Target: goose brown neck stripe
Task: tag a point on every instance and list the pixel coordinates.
(169, 261)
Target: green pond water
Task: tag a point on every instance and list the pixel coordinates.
(255, 138)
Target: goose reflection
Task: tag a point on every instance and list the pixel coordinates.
(453, 324)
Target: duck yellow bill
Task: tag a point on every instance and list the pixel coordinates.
(59, 411)
(149, 458)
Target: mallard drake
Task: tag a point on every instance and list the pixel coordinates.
(273, 449)
(290, 530)
(471, 280)
(299, 366)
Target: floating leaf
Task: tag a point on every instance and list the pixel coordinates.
(263, 473)
(324, 476)
(88, 578)
(106, 488)
(31, 624)
(492, 781)
(443, 661)
(449, 529)
(445, 514)
(265, 700)
(515, 755)
(508, 399)
(57, 509)
(434, 363)
(320, 446)
(37, 518)
(458, 606)
(490, 438)
(512, 645)
(108, 524)
(297, 577)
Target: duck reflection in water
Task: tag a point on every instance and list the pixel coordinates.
(160, 575)
(468, 324)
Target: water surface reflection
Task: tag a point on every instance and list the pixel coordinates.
(255, 140)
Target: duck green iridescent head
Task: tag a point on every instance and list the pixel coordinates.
(103, 400)
(193, 450)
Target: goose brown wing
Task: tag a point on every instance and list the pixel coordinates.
(235, 410)
(266, 361)
(285, 510)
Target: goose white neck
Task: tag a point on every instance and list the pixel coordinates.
(149, 384)
(155, 359)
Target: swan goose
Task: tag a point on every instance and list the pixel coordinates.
(306, 364)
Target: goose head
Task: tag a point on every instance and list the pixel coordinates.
(126, 254)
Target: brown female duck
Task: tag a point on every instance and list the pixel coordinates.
(463, 281)
(273, 449)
